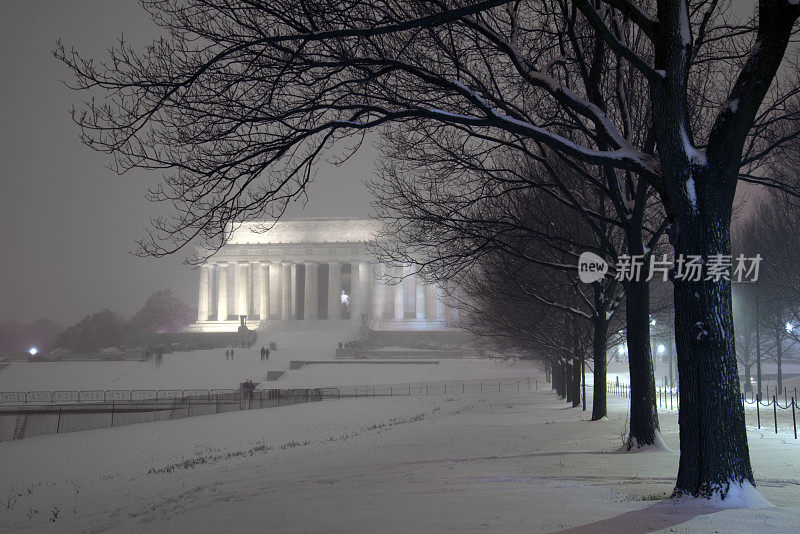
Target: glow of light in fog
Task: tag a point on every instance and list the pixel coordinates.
(623, 349)
(652, 322)
(789, 327)
(661, 348)
(32, 351)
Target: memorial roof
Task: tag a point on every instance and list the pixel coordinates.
(327, 230)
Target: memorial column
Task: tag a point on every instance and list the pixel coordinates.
(293, 293)
(311, 299)
(399, 305)
(359, 289)
(275, 292)
(419, 305)
(263, 301)
(439, 303)
(202, 304)
(334, 290)
(240, 285)
(378, 291)
(286, 276)
(222, 291)
(430, 301)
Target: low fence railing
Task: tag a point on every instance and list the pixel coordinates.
(24, 421)
(118, 395)
(451, 387)
(32, 413)
(109, 395)
(669, 399)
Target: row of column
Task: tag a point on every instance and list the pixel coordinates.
(278, 292)
(429, 299)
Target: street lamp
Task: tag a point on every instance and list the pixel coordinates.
(789, 327)
(661, 348)
(33, 351)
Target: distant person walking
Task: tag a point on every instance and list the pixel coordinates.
(266, 354)
(231, 353)
(263, 353)
(228, 354)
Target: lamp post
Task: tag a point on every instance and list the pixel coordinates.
(758, 346)
(670, 365)
(660, 350)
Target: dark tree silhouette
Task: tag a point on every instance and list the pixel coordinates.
(242, 97)
(96, 331)
(162, 313)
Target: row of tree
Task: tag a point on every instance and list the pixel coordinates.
(162, 312)
(515, 134)
(767, 313)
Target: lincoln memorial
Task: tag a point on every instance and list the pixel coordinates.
(306, 271)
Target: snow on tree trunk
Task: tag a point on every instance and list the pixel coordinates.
(713, 439)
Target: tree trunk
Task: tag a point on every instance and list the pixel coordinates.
(556, 373)
(568, 376)
(747, 385)
(698, 190)
(713, 439)
(576, 382)
(599, 350)
(644, 412)
(563, 375)
(583, 381)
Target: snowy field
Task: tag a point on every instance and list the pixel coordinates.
(497, 462)
(204, 369)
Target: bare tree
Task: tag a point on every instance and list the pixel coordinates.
(242, 97)
(521, 257)
(771, 232)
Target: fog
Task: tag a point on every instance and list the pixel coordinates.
(69, 223)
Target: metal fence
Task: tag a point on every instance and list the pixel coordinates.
(32, 413)
(789, 404)
(416, 388)
(110, 395)
(783, 415)
(451, 387)
(142, 406)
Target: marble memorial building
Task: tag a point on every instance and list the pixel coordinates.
(306, 271)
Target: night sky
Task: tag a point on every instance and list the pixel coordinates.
(68, 223)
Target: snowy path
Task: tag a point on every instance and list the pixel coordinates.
(504, 462)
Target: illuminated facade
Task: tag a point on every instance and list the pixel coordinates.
(311, 270)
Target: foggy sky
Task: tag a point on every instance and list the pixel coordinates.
(67, 222)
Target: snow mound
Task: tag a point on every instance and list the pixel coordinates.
(743, 495)
(658, 446)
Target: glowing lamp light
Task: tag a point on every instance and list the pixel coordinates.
(33, 351)
(789, 327)
(652, 322)
(661, 348)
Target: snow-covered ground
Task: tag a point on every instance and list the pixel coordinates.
(494, 462)
(205, 369)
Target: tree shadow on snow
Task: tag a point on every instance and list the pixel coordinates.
(657, 516)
